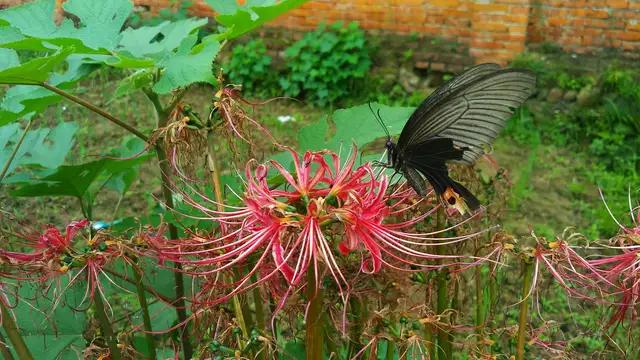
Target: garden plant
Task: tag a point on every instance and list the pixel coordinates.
(251, 243)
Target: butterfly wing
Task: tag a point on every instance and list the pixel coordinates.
(470, 109)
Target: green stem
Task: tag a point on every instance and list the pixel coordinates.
(105, 326)
(391, 350)
(524, 308)
(242, 314)
(13, 333)
(4, 348)
(444, 341)
(260, 321)
(151, 344)
(358, 318)
(443, 348)
(5, 169)
(259, 305)
(314, 336)
(167, 194)
(95, 109)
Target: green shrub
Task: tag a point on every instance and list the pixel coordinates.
(326, 64)
(250, 66)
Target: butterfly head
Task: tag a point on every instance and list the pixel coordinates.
(391, 152)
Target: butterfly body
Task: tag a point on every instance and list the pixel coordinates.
(456, 124)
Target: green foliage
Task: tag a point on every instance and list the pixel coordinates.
(44, 147)
(550, 74)
(355, 125)
(250, 66)
(240, 19)
(326, 64)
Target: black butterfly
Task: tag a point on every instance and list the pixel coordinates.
(456, 123)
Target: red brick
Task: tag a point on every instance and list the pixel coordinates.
(599, 14)
(485, 8)
(618, 4)
(490, 26)
(629, 35)
(444, 3)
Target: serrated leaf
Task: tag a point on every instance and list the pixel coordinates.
(182, 70)
(34, 71)
(245, 19)
(144, 41)
(26, 100)
(98, 28)
(101, 21)
(45, 147)
(36, 19)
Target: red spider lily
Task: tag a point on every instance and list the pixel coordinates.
(47, 246)
(325, 205)
(53, 254)
(611, 279)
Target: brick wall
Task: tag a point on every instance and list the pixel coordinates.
(586, 26)
(491, 30)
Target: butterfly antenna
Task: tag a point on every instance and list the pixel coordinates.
(384, 126)
(379, 120)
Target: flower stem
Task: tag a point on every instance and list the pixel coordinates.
(482, 303)
(167, 194)
(151, 344)
(314, 337)
(4, 348)
(358, 318)
(105, 326)
(443, 348)
(524, 308)
(241, 312)
(5, 169)
(391, 350)
(13, 333)
(444, 341)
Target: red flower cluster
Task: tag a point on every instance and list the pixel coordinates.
(611, 278)
(325, 205)
(52, 254)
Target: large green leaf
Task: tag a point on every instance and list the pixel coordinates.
(188, 67)
(121, 178)
(34, 71)
(50, 330)
(101, 21)
(27, 100)
(45, 147)
(68, 180)
(241, 19)
(353, 125)
(8, 59)
(99, 24)
(144, 41)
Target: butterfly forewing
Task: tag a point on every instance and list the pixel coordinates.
(469, 76)
(471, 109)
